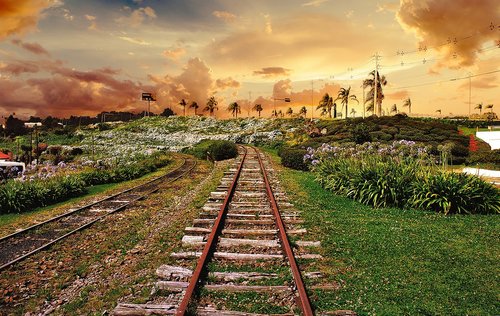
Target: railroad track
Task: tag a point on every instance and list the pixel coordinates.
(22, 244)
(240, 245)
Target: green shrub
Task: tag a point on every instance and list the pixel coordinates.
(213, 149)
(293, 158)
(456, 193)
(17, 196)
(488, 157)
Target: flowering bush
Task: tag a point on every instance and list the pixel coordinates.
(26, 194)
(401, 174)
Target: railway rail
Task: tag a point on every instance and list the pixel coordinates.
(24, 243)
(241, 244)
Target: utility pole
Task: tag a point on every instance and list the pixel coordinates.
(470, 89)
(249, 102)
(312, 100)
(375, 105)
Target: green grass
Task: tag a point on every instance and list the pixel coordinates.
(399, 262)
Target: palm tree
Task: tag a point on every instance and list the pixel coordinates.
(344, 96)
(370, 97)
(280, 113)
(326, 105)
(258, 108)
(234, 108)
(407, 103)
(211, 105)
(479, 107)
(353, 112)
(303, 111)
(438, 111)
(490, 106)
(183, 103)
(289, 112)
(194, 106)
(274, 113)
(394, 108)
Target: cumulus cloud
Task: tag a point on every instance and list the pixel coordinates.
(17, 68)
(34, 48)
(174, 53)
(227, 83)
(461, 25)
(225, 16)
(137, 17)
(19, 16)
(269, 72)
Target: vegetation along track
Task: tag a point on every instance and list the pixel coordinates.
(238, 257)
(24, 243)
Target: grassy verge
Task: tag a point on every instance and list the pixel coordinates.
(399, 262)
(12, 221)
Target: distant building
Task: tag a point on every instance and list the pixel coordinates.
(32, 124)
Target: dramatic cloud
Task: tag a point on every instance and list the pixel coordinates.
(17, 68)
(455, 28)
(34, 48)
(227, 83)
(19, 16)
(174, 53)
(270, 72)
(137, 17)
(225, 16)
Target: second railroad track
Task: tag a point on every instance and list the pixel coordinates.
(24, 243)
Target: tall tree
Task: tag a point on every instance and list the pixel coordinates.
(438, 111)
(353, 112)
(479, 107)
(211, 105)
(326, 105)
(344, 96)
(194, 106)
(370, 97)
(303, 111)
(183, 103)
(490, 106)
(394, 108)
(234, 108)
(258, 108)
(289, 112)
(407, 103)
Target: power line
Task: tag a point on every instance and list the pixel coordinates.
(442, 81)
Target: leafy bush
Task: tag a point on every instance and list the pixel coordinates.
(214, 150)
(455, 193)
(400, 175)
(488, 157)
(18, 196)
(293, 158)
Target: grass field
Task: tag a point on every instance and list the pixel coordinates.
(399, 262)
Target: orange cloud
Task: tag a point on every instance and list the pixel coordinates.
(455, 28)
(227, 83)
(34, 48)
(270, 72)
(225, 16)
(175, 53)
(19, 16)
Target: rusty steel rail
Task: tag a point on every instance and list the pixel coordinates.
(304, 303)
(88, 224)
(211, 242)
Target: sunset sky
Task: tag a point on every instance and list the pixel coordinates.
(74, 57)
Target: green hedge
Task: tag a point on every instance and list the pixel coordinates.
(214, 150)
(407, 185)
(293, 158)
(17, 196)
